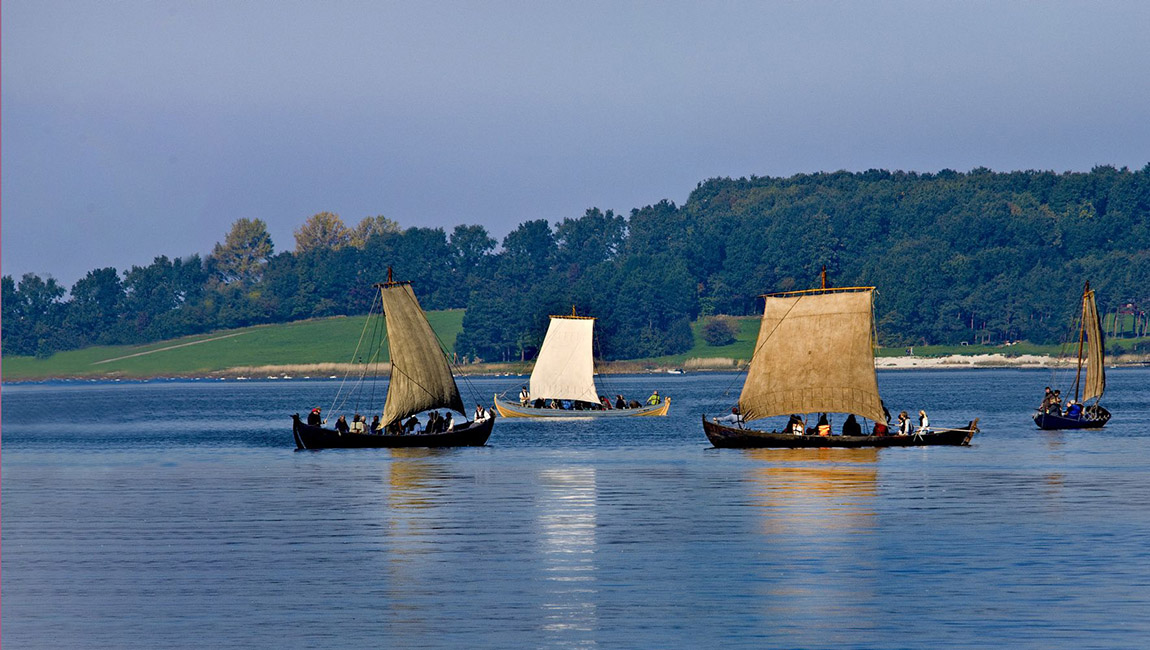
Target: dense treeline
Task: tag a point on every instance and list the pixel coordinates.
(978, 256)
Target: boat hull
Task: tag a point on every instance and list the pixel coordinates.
(1051, 422)
(473, 434)
(514, 410)
(735, 438)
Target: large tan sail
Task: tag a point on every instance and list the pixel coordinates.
(814, 354)
(420, 376)
(565, 368)
(1095, 358)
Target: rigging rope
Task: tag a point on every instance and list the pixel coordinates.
(348, 371)
(759, 346)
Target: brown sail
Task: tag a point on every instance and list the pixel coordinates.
(1095, 383)
(420, 376)
(814, 354)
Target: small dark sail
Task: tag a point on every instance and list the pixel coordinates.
(1095, 359)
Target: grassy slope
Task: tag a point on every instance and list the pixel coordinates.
(742, 348)
(304, 342)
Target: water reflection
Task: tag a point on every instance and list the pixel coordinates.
(567, 521)
(815, 491)
(1053, 481)
(818, 512)
(413, 523)
(413, 477)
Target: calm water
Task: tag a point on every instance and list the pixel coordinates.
(178, 515)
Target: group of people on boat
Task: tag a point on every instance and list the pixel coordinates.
(1052, 405)
(358, 423)
(851, 426)
(436, 423)
(604, 404)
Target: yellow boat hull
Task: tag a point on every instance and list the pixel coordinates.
(514, 410)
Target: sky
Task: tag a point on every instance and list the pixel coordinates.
(131, 129)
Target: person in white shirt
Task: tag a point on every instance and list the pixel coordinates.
(733, 418)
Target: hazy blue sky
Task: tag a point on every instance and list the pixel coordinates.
(133, 129)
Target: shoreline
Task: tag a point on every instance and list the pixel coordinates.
(691, 366)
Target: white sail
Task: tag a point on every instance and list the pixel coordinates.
(565, 368)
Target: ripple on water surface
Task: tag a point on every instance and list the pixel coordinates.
(177, 515)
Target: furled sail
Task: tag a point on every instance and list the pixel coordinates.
(814, 354)
(565, 368)
(1095, 361)
(420, 376)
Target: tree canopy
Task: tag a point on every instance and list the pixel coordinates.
(957, 257)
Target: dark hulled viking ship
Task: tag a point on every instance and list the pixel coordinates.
(1091, 356)
(815, 354)
(420, 380)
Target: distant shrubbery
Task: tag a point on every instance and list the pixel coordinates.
(978, 256)
(719, 330)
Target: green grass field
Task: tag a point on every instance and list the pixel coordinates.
(741, 349)
(325, 340)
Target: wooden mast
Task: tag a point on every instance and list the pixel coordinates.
(1081, 337)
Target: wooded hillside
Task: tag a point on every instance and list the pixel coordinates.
(957, 257)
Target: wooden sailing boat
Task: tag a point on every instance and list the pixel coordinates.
(815, 354)
(1091, 353)
(420, 380)
(565, 371)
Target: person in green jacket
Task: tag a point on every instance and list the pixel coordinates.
(654, 399)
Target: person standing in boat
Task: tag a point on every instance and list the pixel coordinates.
(314, 418)
(1047, 399)
(734, 418)
(923, 422)
(524, 397)
(480, 413)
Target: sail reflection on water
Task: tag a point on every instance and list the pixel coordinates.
(413, 512)
(567, 521)
(819, 521)
(816, 492)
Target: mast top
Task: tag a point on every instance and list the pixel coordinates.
(573, 315)
(390, 282)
